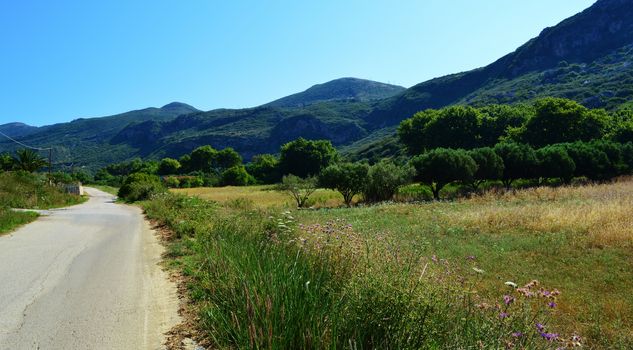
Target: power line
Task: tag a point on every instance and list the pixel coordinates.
(24, 145)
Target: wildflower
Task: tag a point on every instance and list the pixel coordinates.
(478, 270)
(551, 304)
(540, 327)
(507, 299)
(511, 284)
(503, 315)
(549, 336)
(470, 257)
(434, 258)
(517, 334)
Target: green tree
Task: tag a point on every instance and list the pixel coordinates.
(305, 158)
(347, 178)
(613, 151)
(29, 160)
(555, 162)
(590, 162)
(236, 176)
(558, 120)
(441, 166)
(168, 166)
(451, 127)
(227, 158)
(384, 179)
(265, 168)
(499, 120)
(519, 161)
(299, 189)
(489, 165)
(202, 159)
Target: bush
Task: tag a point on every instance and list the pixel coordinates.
(168, 166)
(140, 186)
(590, 162)
(347, 178)
(384, 179)
(171, 182)
(236, 176)
(442, 166)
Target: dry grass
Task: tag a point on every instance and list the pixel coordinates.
(601, 214)
(260, 196)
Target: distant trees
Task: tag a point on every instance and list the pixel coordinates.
(555, 162)
(305, 158)
(236, 176)
(265, 168)
(558, 120)
(441, 166)
(519, 161)
(489, 165)
(349, 179)
(168, 166)
(384, 179)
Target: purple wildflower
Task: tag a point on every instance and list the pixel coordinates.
(551, 304)
(508, 299)
(503, 315)
(517, 334)
(549, 336)
(540, 327)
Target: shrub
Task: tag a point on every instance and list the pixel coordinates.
(300, 189)
(347, 178)
(172, 182)
(236, 176)
(590, 162)
(140, 186)
(384, 179)
(442, 166)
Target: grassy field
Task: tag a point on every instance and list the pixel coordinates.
(260, 196)
(440, 260)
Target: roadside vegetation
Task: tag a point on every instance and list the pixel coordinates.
(22, 187)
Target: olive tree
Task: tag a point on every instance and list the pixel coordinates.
(441, 166)
(347, 178)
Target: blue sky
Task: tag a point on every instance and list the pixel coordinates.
(61, 60)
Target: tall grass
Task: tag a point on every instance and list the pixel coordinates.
(259, 280)
(32, 191)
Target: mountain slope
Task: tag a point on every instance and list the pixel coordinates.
(594, 34)
(588, 58)
(350, 89)
(17, 129)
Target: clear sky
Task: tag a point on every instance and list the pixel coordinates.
(65, 59)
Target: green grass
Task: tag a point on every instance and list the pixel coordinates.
(259, 279)
(32, 191)
(10, 220)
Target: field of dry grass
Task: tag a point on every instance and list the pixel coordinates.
(260, 196)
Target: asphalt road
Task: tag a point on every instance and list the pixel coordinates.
(85, 277)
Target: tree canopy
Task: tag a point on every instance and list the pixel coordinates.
(305, 158)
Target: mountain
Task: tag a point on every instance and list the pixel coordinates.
(17, 129)
(344, 89)
(588, 58)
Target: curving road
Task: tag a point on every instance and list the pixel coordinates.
(85, 277)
